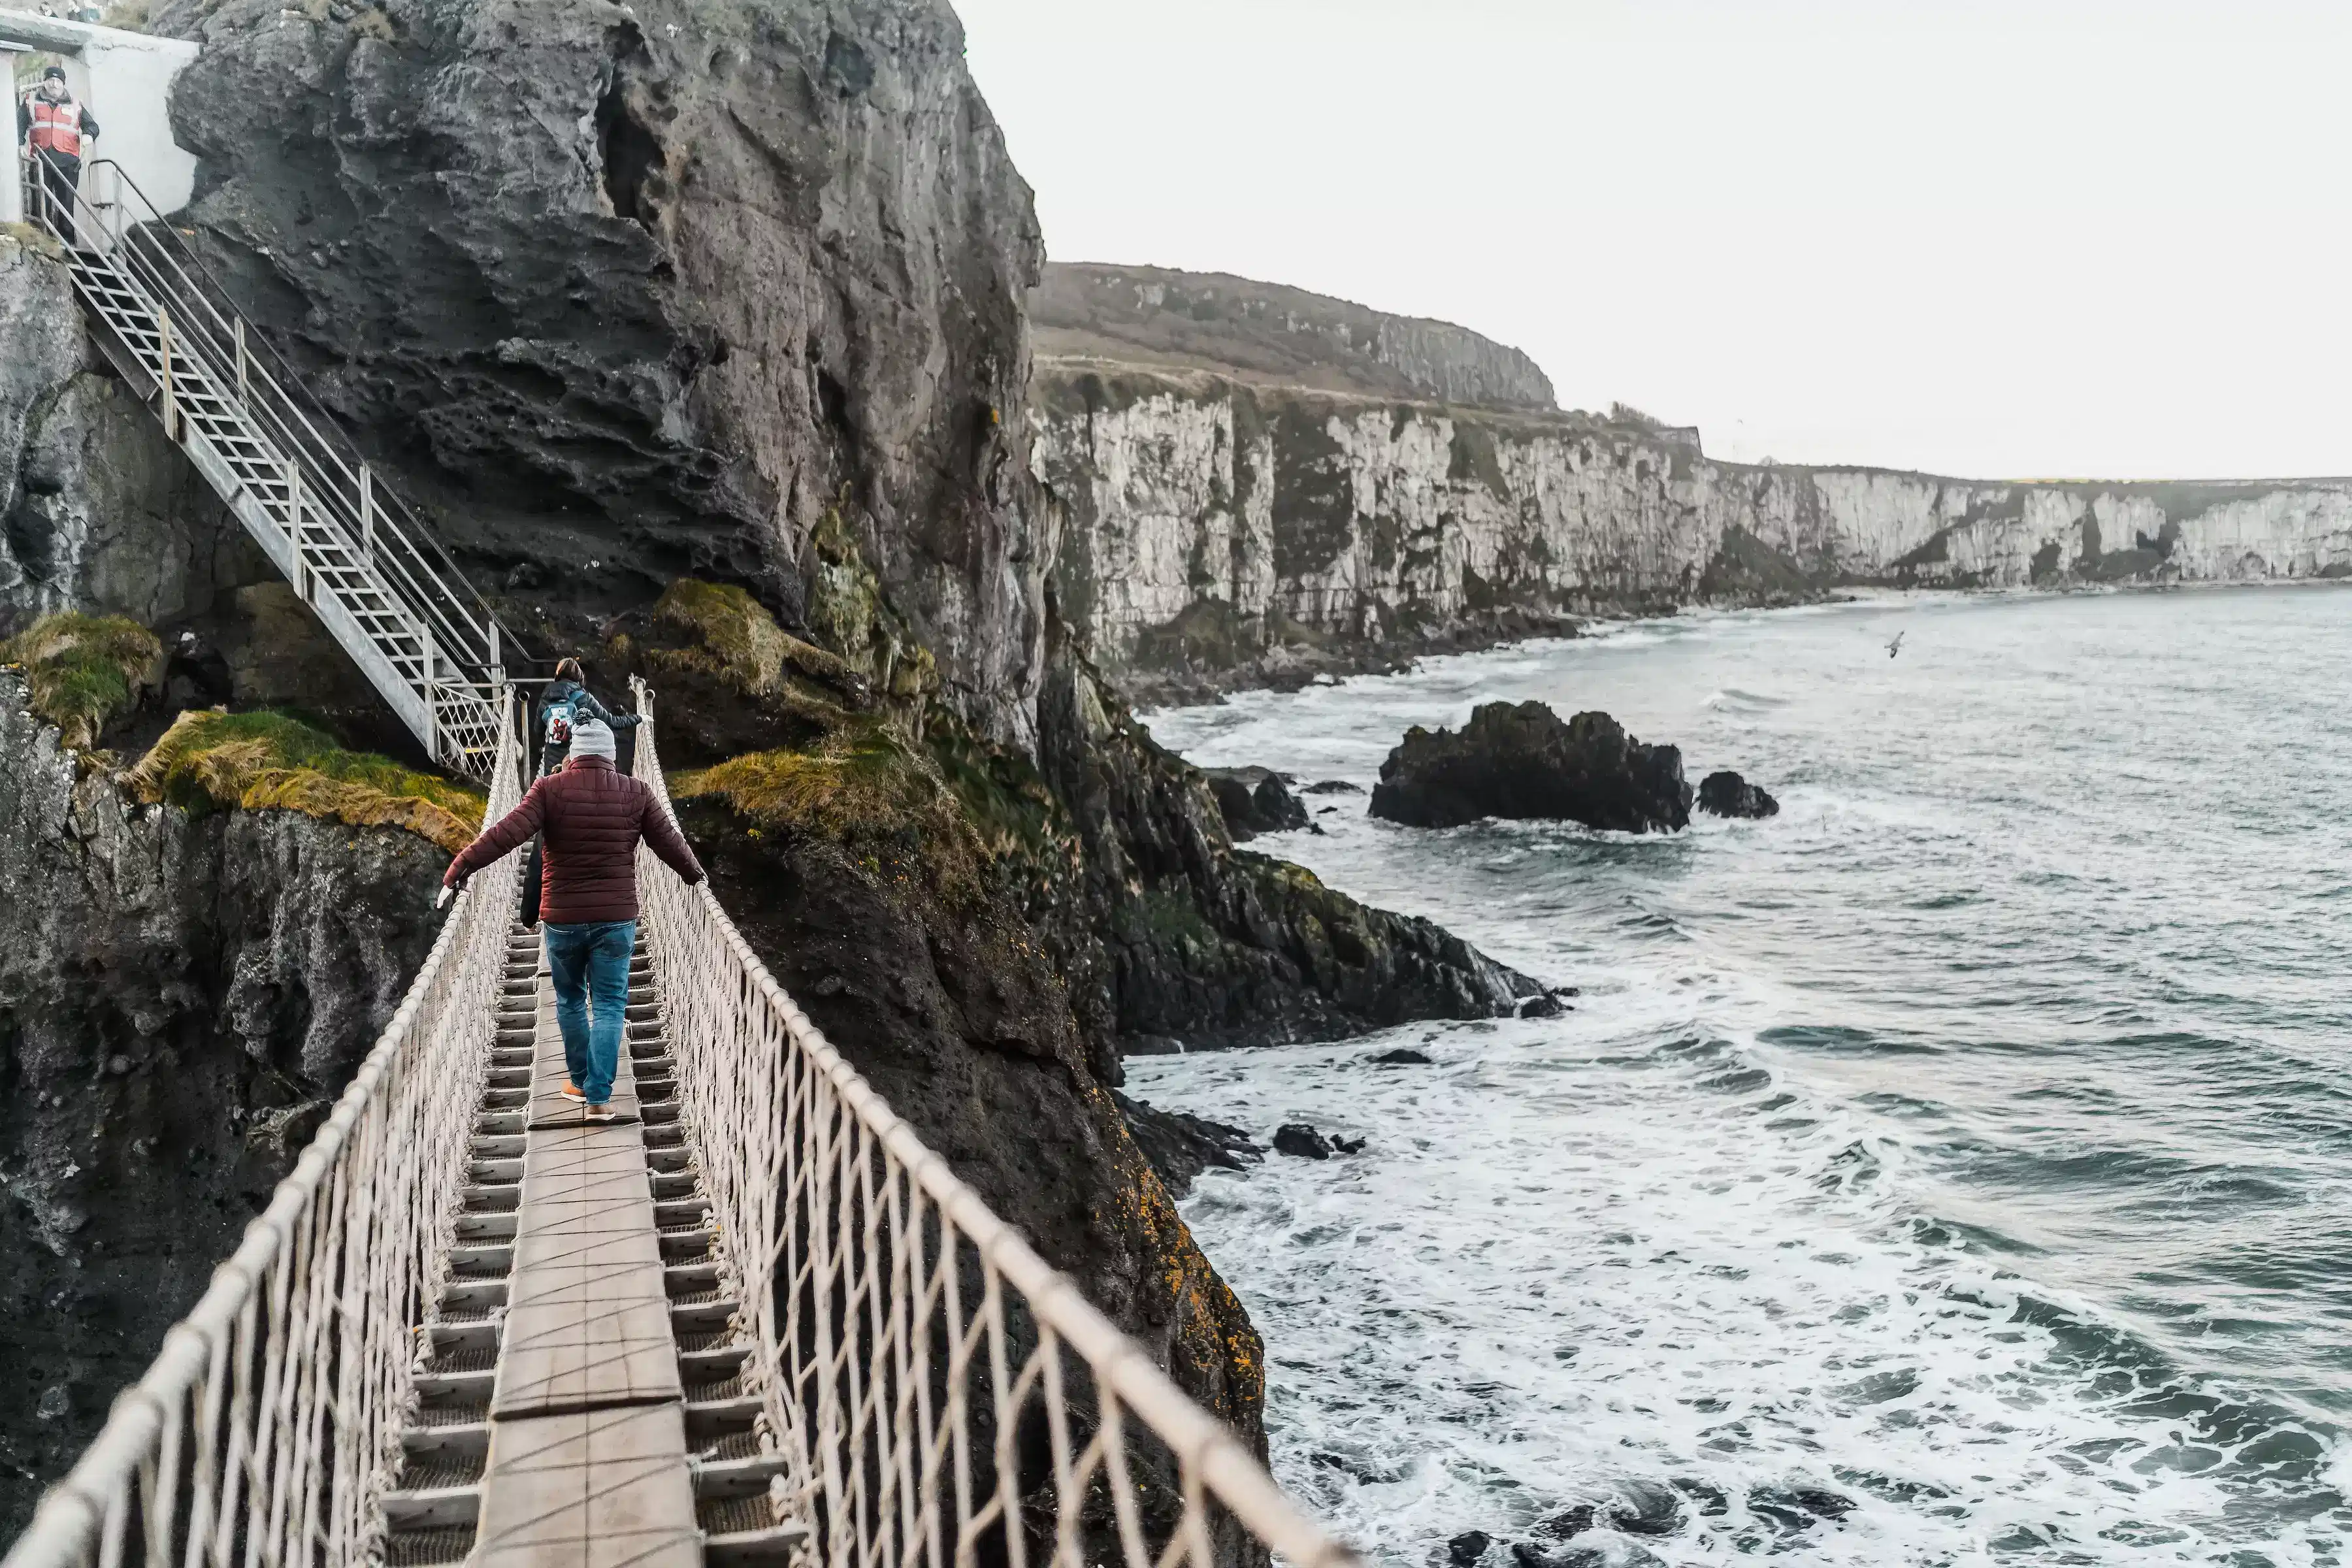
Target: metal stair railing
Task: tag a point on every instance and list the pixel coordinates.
(378, 579)
(940, 1394)
(268, 1429)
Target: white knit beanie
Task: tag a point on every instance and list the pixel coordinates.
(591, 738)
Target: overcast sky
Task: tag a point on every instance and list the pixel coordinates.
(2060, 239)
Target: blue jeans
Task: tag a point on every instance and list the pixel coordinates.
(591, 967)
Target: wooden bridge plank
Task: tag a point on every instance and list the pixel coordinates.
(588, 1317)
(599, 1488)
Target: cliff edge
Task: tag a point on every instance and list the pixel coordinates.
(1265, 331)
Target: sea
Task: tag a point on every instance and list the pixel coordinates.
(1956, 1168)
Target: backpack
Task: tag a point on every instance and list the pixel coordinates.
(557, 722)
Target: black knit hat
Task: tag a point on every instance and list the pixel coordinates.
(55, 73)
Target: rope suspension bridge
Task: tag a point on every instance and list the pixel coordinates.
(751, 1321)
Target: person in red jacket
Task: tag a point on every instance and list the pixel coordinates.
(54, 125)
(592, 815)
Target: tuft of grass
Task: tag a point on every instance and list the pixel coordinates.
(861, 788)
(742, 641)
(257, 762)
(84, 670)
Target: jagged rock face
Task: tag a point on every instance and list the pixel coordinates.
(1185, 937)
(97, 512)
(1151, 315)
(650, 287)
(1522, 761)
(1223, 535)
(1256, 801)
(180, 999)
(1181, 1146)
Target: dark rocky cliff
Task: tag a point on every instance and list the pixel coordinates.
(630, 297)
(630, 292)
(181, 998)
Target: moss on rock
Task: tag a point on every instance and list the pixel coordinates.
(861, 788)
(255, 762)
(739, 639)
(85, 670)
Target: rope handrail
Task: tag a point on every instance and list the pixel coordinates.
(265, 1431)
(908, 1343)
(935, 1394)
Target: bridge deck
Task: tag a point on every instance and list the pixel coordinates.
(588, 1459)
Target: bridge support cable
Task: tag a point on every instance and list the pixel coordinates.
(932, 1391)
(268, 1429)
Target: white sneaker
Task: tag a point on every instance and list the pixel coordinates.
(601, 1113)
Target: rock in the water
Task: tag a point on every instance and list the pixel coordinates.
(1523, 762)
(1338, 787)
(1467, 1547)
(1572, 1521)
(1256, 801)
(1347, 1145)
(1402, 1056)
(1180, 1147)
(1725, 794)
(1644, 1508)
(1295, 1138)
(1528, 1554)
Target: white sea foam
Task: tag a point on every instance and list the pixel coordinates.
(1913, 1184)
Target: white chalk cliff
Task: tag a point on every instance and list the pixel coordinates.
(1223, 531)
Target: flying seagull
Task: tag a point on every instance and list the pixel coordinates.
(1897, 646)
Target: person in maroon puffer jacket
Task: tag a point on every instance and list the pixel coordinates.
(593, 816)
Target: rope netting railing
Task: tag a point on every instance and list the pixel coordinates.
(938, 1394)
(267, 1430)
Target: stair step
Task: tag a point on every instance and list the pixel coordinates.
(471, 1383)
(737, 1533)
(478, 1259)
(441, 1508)
(703, 1317)
(473, 1296)
(745, 1476)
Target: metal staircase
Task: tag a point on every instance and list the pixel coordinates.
(377, 578)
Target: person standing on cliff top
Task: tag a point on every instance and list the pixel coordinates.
(54, 125)
(592, 817)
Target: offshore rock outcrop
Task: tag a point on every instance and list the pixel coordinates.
(1725, 794)
(180, 999)
(1523, 762)
(1226, 533)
